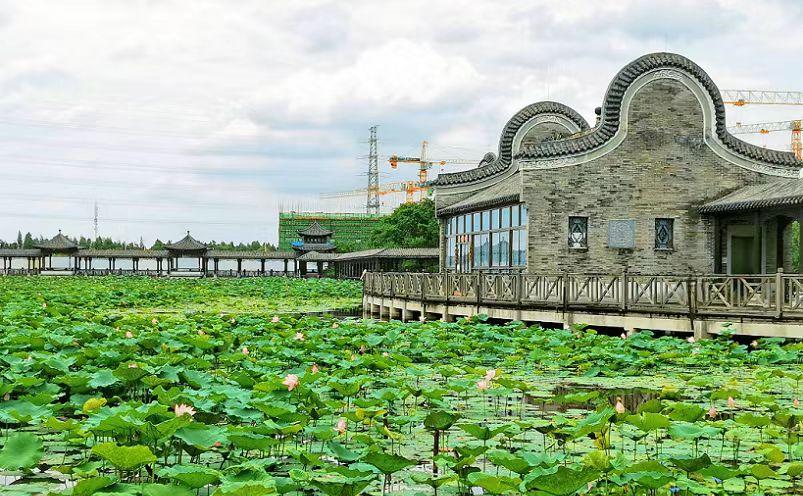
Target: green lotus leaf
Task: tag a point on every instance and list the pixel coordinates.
(691, 464)
(440, 420)
(193, 476)
(87, 487)
(494, 484)
(563, 482)
(124, 457)
(21, 451)
(246, 488)
(387, 463)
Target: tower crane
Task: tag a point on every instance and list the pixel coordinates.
(771, 127)
(740, 98)
(424, 164)
(409, 188)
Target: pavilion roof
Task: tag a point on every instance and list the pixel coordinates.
(187, 243)
(58, 242)
(315, 229)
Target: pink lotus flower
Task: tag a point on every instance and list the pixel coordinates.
(623, 336)
(341, 426)
(299, 336)
(201, 332)
(712, 412)
(129, 334)
(754, 344)
(7, 397)
(275, 319)
(362, 348)
(315, 368)
(620, 407)
(217, 444)
(385, 354)
(132, 365)
(183, 409)
(232, 321)
(490, 374)
(245, 350)
(483, 385)
(335, 325)
(796, 403)
(691, 339)
(731, 402)
(291, 381)
(154, 321)
(422, 318)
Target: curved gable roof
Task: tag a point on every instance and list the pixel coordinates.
(491, 165)
(610, 122)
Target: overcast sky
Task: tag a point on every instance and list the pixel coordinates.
(210, 115)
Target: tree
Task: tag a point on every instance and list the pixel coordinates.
(158, 245)
(28, 242)
(412, 225)
(19, 239)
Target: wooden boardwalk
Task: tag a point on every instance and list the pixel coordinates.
(759, 305)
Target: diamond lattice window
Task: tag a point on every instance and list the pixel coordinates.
(578, 232)
(664, 234)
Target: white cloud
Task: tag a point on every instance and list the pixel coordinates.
(213, 111)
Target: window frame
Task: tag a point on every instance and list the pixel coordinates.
(584, 241)
(670, 245)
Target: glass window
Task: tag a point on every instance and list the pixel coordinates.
(449, 227)
(486, 220)
(505, 217)
(523, 214)
(495, 219)
(515, 220)
(578, 232)
(476, 222)
(516, 235)
(523, 247)
(664, 234)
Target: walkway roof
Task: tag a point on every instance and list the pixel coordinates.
(775, 194)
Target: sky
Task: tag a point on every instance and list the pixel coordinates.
(212, 115)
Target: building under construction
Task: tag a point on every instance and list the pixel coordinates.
(352, 231)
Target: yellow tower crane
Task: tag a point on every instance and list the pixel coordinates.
(740, 98)
(425, 163)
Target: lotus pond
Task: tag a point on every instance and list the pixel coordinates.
(161, 387)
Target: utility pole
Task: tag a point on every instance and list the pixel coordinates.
(372, 206)
(96, 220)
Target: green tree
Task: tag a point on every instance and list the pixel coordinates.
(19, 239)
(28, 242)
(412, 225)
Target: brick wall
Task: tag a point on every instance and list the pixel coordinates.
(658, 171)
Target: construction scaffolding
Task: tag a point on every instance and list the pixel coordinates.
(351, 230)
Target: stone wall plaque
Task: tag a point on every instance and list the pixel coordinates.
(622, 234)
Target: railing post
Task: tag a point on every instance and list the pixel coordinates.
(479, 288)
(779, 292)
(565, 296)
(519, 289)
(691, 289)
(624, 289)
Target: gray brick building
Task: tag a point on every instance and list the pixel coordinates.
(657, 186)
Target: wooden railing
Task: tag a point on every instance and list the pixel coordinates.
(149, 272)
(766, 295)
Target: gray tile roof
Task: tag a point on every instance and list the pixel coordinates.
(131, 253)
(187, 243)
(491, 164)
(400, 253)
(315, 256)
(774, 194)
(498, 194)
(251, 255)
(307, 247)
(315, 229)
(609, 125)
(58, 242)
(20, 252)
